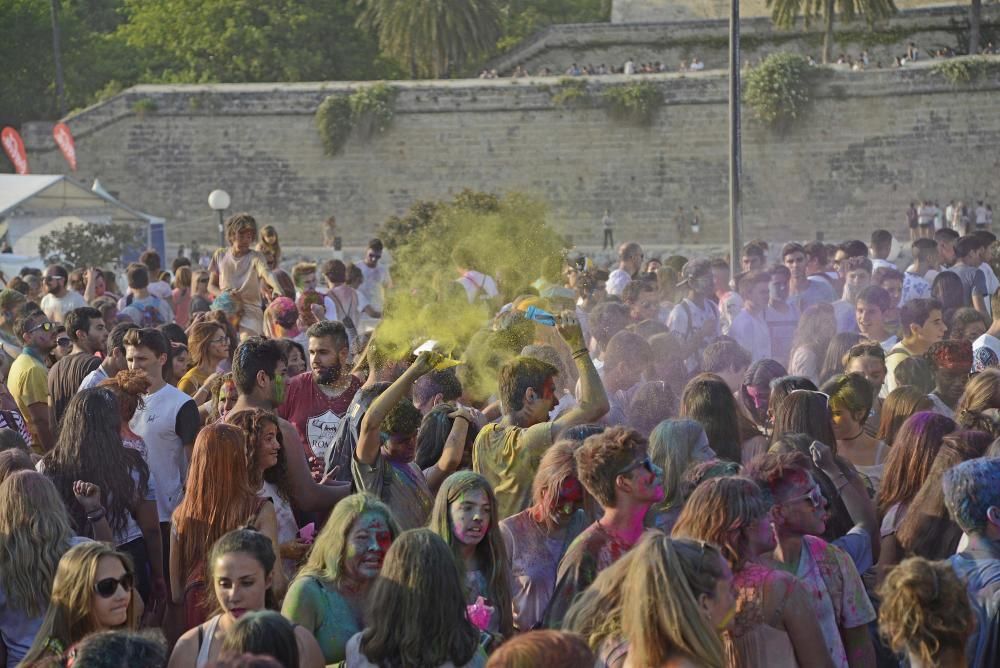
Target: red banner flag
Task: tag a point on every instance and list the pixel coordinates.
(64, 138)
(13, 146)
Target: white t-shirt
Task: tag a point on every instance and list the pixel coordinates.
(985, 352)
(156, 422)
(752, 332)
(376, 280)
(56, 308)
(617, 280)
(479, 284)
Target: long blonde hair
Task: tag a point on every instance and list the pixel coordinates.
(660, 613)
(491, 551)
(596, 614)
(981, 394)
(68, 619)
(34, 534)
(326, 558)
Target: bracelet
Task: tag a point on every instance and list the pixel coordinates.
(462, 417)
(582, 352)
(96, 515)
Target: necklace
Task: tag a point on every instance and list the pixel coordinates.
(856, 436)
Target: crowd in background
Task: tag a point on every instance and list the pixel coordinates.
(654, 463)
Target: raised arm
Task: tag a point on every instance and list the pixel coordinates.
(451, 453)
(852, 492)
(593, 401)
(369, 439)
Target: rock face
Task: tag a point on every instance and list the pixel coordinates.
(871, 142)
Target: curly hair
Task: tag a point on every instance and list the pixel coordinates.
(925, 610)
(128, 386)
(252, 422)
(602, 456)
(402, 419)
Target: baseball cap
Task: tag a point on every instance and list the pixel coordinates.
(694, 269)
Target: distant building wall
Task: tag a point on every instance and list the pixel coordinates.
(872, 142)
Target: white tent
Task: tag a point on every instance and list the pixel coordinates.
(34, 205)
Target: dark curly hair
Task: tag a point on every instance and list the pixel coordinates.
(402, 419)
(252, 423)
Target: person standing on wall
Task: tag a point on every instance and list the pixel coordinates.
(608, 223)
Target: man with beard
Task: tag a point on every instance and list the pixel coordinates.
(27, 377)
(318, 399)
(259, 372)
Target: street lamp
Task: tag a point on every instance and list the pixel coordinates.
(219, 200)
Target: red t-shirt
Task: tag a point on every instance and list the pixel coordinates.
(314, 414)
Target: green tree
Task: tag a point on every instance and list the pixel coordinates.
(251, 40)
(522, 18)
(88, 245)
(433, 38)
(784, 13)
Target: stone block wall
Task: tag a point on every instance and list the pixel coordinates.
(871, 142)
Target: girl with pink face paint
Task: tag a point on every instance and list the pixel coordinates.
(464, 516)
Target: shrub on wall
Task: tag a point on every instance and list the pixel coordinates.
(965, 70)
(572, 93)
(635, 103)
(780, 88)
(369, 109)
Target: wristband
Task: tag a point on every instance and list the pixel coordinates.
(582, 352)
(96, 515)
(462, 417)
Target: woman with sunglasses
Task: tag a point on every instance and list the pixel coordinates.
(209, 345)
(773, 624)
(92, 592)
(838, 596)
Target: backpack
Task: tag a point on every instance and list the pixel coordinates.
(345, 439)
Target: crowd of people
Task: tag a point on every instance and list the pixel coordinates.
(670, 466)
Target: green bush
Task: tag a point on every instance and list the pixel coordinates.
(144, 106)
(780, 89)
(965, 70)
(370, 110)
(89, 245)
(572, 93)
(635, 103)
(333, 120)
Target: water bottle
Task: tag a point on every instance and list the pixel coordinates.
(541, 316)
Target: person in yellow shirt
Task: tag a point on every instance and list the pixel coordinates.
(28, 376)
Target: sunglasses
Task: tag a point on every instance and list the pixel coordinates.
(107, 587)
(866, 350)
(815, 496)
(646, 463)
(46, 326)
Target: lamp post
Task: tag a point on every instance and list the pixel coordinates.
(219, 200)
(735, 149)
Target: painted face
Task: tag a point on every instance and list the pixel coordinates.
(240, 583)
(471, 513)
(760, 395)
(268, 447)
(760, 535)
(647, 478)
(568, 501)
(367, 542)
(111, 595)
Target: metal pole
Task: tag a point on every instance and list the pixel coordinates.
(57, 57)
(222, 230)
(735, 211)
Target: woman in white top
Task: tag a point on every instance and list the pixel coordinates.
(241, 564)
(269, 475)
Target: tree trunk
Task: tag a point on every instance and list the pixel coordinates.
(828, 34)
(60, 101)
(975, 16)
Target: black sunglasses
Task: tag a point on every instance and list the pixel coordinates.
(107, 587)
(646, 463)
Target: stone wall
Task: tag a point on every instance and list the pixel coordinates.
(873, 141)
(647, 11)
(672, 40)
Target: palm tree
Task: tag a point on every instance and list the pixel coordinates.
(784, 13)
(433, 38)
